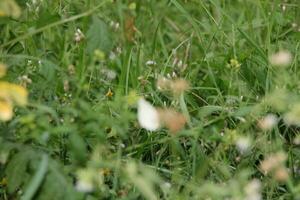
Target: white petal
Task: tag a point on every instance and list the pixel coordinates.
(82, 186)
(147, 115)
(150, 62)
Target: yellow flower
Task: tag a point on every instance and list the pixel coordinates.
(109, 93)
(6, 111)
(12, 92)
(9, 8)
(19, 94)
(234, 64)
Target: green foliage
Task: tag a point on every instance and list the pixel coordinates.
(98, 36)
(86, 63)
(16, 170)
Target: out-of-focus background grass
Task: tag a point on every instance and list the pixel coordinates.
(85, 63)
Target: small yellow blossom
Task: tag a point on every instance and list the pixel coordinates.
(109, 93)
(234, 64)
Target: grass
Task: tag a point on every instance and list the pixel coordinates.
(79, 137)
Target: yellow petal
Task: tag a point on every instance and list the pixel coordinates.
(109, 93)
(19, 94)
(4, 94)
(9, 8)
(12, 92)
(6, 111)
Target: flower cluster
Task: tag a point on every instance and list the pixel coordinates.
(152, 118)
(274, 165)
(176, 86)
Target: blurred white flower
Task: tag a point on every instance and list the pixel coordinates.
(78, 35)
(150, 62)
(281, 58)
(108, 74)
(172, 119)
(84, 186)
(294, 25)
(85, 180)
(112, 55)
(243, 144)
(166, 185)
(174, 75)
(297, 140)
(252, 190)
(293, 116)
(114, 25)
(148, 116)
(268, 122)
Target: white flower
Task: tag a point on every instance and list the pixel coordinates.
(148, 116)
(78, 35)
(150, 62)
(112, 56)
(252, 190)
(243, 144)
(85, 180)
(281, 58)
(268, 122)
(84, 186)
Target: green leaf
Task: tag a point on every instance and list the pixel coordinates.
(98, 36)
(37, 179)
(57, 185)
(16, 170)
(78, 147)
(47, 70)
(208, 110)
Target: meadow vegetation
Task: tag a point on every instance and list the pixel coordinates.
(149, 99)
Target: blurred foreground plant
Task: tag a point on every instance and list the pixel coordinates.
(9, 8)
(10, 95)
